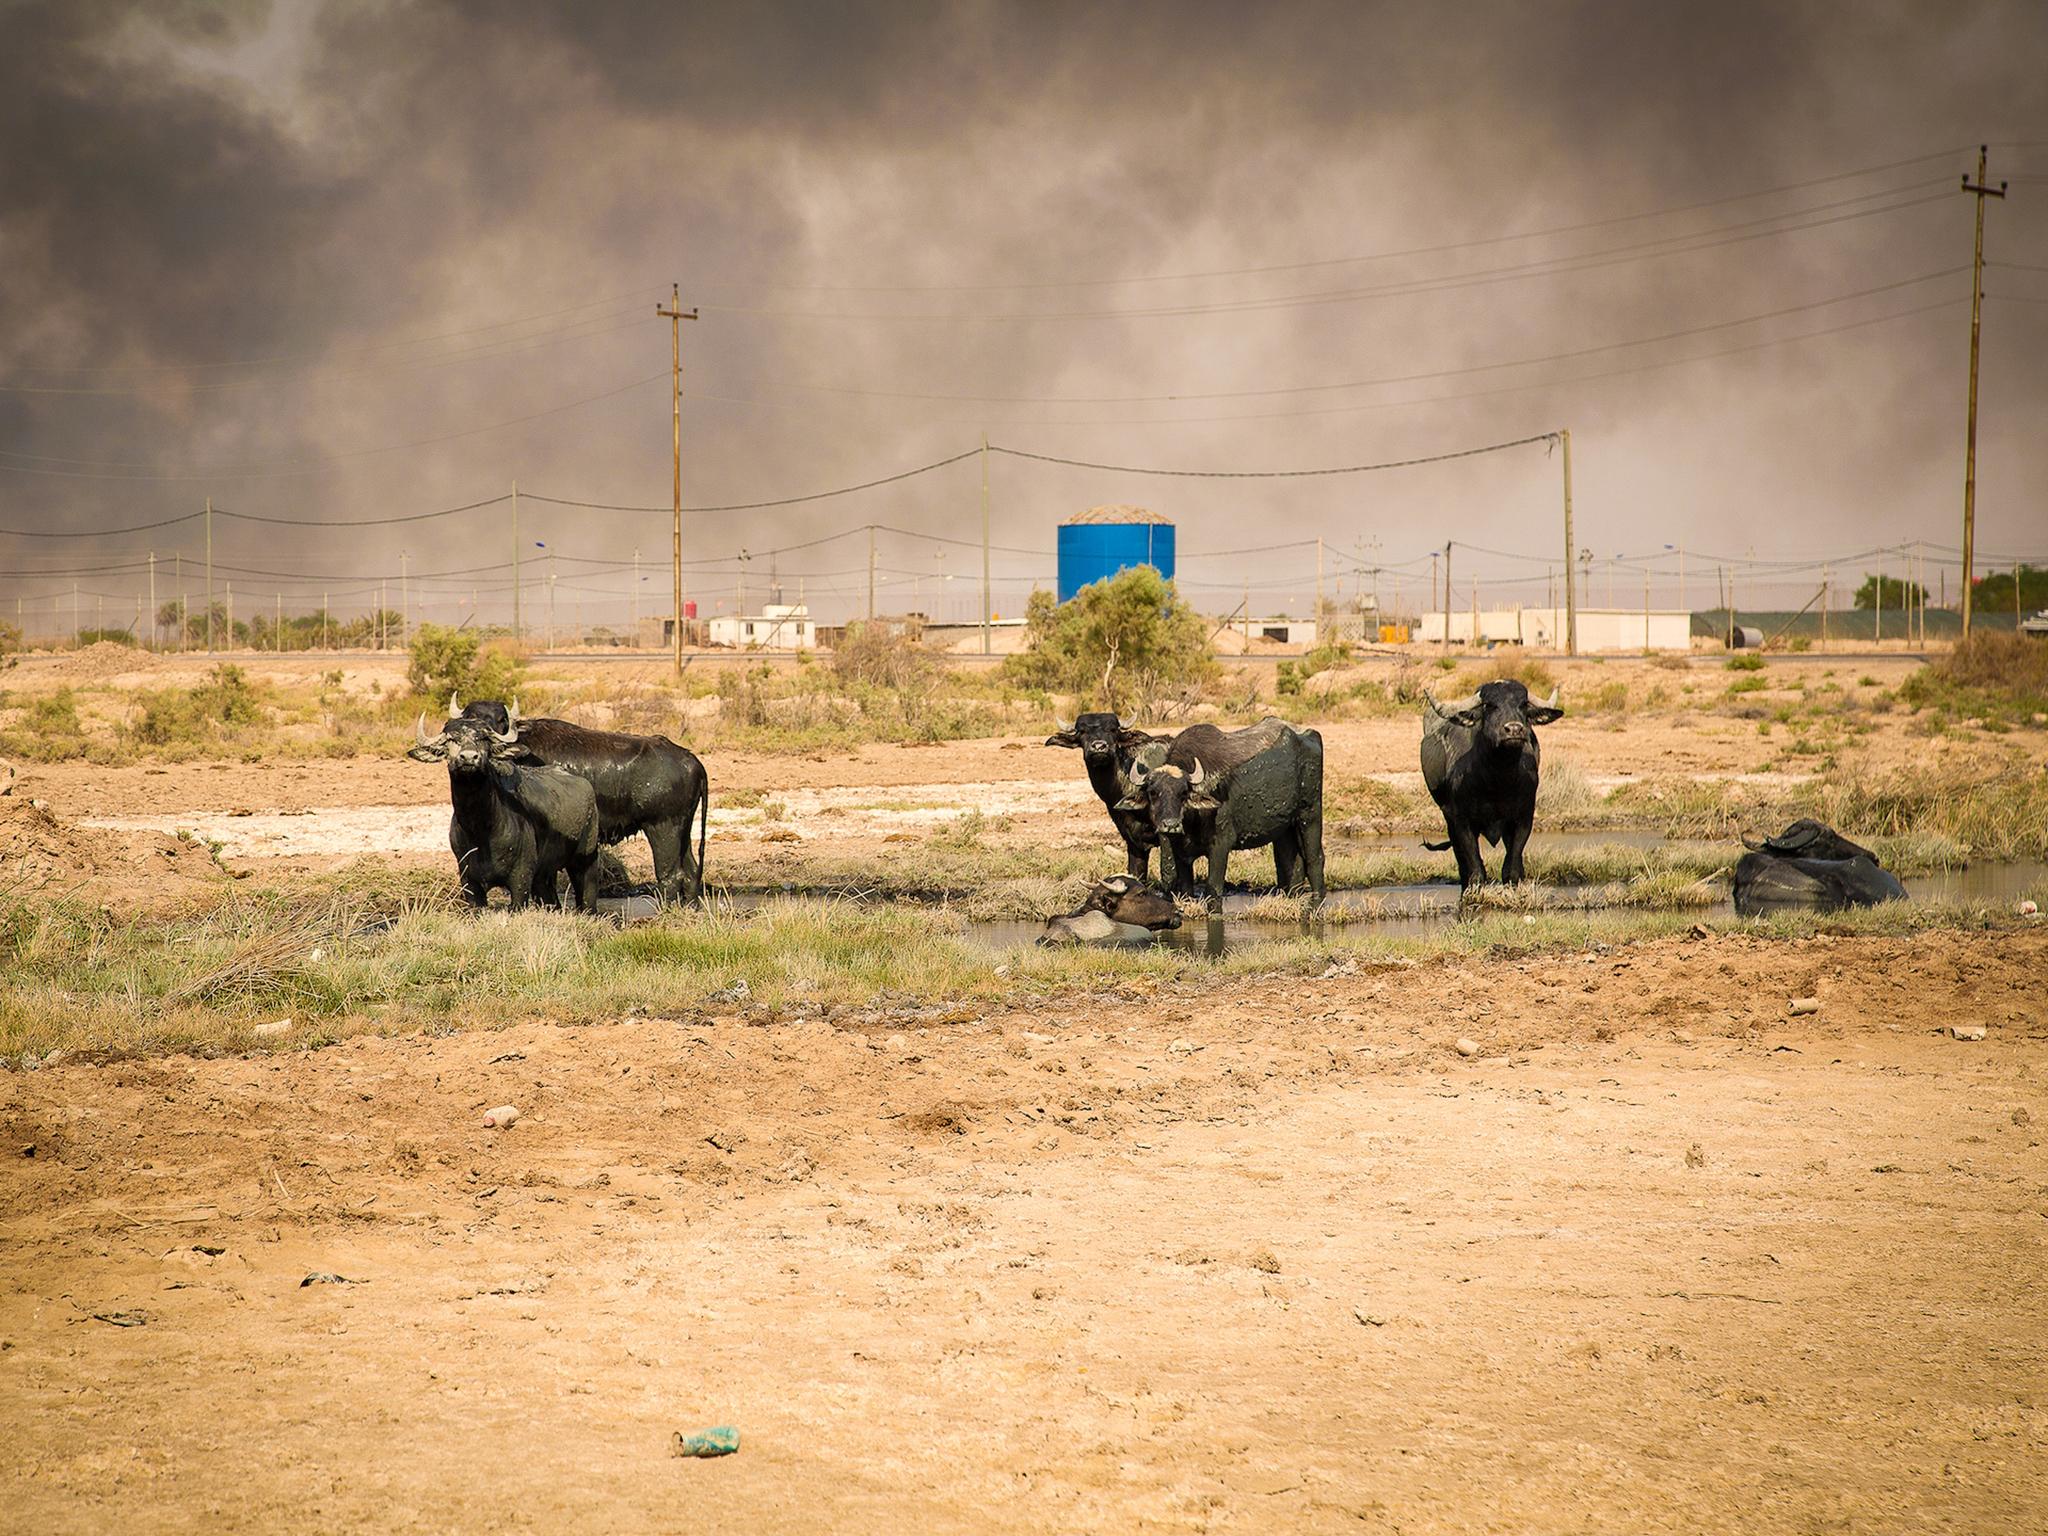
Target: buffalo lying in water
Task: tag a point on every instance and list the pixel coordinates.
(1811, 865)
(1117, 909)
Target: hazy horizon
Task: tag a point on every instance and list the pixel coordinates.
(326, 262)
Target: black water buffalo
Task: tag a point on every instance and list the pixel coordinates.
(1217, 792)
(1481, 764)
(514, 827)
(644, 784)
(1116, 909)
(1108, 748)
(1809, 864)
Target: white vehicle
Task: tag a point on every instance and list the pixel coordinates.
(2037, 626)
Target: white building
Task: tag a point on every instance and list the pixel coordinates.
(777, 627)
(1600, 629)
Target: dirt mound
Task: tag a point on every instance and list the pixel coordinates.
(97, 662)
(129, 872)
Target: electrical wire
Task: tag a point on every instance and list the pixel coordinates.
(1342, 261)
(1277, 474)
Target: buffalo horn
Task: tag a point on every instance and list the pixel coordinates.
(1451, 711)
(454, 704)
(511, 732)
(419, 729)
(1195, 774)
(1551, 702)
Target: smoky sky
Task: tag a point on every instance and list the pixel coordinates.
(343, 261)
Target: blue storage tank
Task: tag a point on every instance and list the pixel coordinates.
(1105, 540)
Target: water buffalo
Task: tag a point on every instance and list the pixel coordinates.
(1481, 763)
(644, 784)
(1217, 792)
(1117, 909)
(1809, 864)
(514, 827)
(1108, 748)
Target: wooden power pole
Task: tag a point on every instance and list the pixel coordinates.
(1980, 191)
(675, 314)
(1571, 589)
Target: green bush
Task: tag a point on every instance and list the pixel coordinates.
(1746, 661)
(448, 661)
(223, 705)
(1990, 675)
(49, 730)
(1125, 636)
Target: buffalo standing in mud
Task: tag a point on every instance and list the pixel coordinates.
(515, 827)
(1108, 749)
(1811, 865)
(644, 784)
(1216, 792)
(1481, 765)
(1119, 909)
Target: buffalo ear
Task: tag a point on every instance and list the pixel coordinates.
(1541, 714)
(1199, 801)
(518, 752)
(422, 753)
(1132, 802)
(1126, 736)
(1065, 738)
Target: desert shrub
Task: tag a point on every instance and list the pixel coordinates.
(1745, 661)
(108, 636)
(1112, 632)
(10, 639)
(49, 730)
(225, 704)
(448, 661)
(1292, 674)
(1990, 675)
(877, 656)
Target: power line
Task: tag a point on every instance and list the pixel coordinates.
(1398, 378)
(1342, 261)
(754, 506)
(306, 467)
(1543, 267)
(1278, 474)
(292, 357)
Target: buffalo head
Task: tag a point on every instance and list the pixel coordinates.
(1098, 734)
(1500, 713)
(1127, 899)
(1167, 793)
(466, 744)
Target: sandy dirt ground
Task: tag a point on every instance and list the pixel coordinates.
(1247, 1257)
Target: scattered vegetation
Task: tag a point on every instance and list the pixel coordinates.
(1990, 676)
(447, 661)
(391, 954)
(1123, 644)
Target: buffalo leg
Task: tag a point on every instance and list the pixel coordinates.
(1286, 861)
(583, 886)
(1471, 868)
(1219, 860)
(1138, 860)
(668, 842)
(1308, 833)
(1511, 854)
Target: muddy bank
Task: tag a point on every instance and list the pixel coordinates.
(1238, 1258)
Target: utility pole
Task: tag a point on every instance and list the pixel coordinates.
(675, 314)
(1447, 594)
(231, 615)
(277, 633)
(1826, 601)
(636, 599)
(871, 573)
(184, 621)
(404, 600)
(984, 546)
(74, 616)
(1433, 601)
(153, 628)
(324, 640)
(518, 633)
(209, 575)
(1980, 191)
(1319, 589)
(1571, 593)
